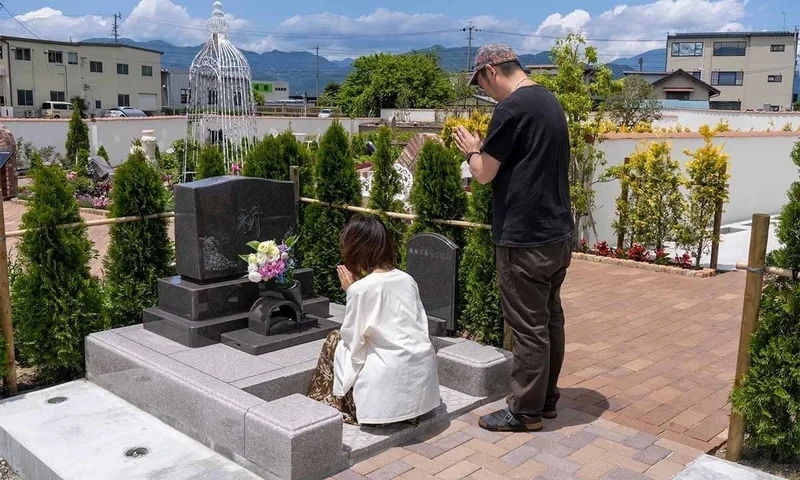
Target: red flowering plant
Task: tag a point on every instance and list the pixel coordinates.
(684, 261)
(584, 246)
(602, 249)
(662, 257)
(621, 253)
(638, 253)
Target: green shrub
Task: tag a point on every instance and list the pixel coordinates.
(210, 163)
(139, 252)
(101, 152)
(77, 137)
(386, 185)
(336, 182)
(293, 153)
(55, 300)
(438, 192)
(264, 161)
(82, 163)
(769, 397)
(707, 185)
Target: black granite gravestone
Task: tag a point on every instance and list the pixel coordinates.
(99, 169)
(216, 217)
(432, 260)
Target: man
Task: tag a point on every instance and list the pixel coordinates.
(526, 157)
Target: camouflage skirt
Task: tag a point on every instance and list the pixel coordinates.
(321, 386)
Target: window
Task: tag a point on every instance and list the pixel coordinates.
(725, 105)
(72, 58)
(123, 100)
(2, 100)
(777, 48)
(677, 95)
(774, 78)
(687, 49)
(122, 69)
(55, 57)
(25, 98)
(237, 99)
(147, 71)
(98, 104)
(96, 67)
(727, 78)
(23, 54)
(57, 96)
(773, 108)
(184, 95)
(1, 53)
(697, 74)
(212, 97)
(730, 49)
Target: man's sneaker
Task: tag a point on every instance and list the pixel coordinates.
(550, 414)
(505, 421)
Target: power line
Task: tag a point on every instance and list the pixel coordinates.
(470, 28)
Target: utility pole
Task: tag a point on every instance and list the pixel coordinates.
(641, 63)
(316, 47)
(784, 21)
(115, 29)
(470, 28)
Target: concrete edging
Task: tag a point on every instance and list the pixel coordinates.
(650, 267)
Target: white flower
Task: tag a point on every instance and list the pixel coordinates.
(254, 277)
(261, 259)
(252, 267)
(284, 256)
(270, 249)
(252, 258)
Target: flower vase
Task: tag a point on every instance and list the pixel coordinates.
(294, 294)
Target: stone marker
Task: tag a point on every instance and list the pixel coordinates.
(433, 263)
(216, 217)
(99, 169)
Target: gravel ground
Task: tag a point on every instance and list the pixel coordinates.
(6, 473)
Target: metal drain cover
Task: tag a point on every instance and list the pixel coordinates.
(56, 400)
(136, 452)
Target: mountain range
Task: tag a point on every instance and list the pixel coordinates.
(300, 68)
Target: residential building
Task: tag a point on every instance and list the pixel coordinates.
(752, 70)
(175, 89)
(106, 75)
(679, 88)
(272, 91)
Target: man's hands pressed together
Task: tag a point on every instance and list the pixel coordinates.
(483, 166)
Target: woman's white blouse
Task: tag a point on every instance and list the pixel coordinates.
(385, 353)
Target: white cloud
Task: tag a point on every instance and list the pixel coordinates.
(621, 31)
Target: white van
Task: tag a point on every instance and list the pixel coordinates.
(57, 109)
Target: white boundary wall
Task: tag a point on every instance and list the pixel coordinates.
(115, 134)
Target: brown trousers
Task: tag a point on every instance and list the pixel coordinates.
(530, 292)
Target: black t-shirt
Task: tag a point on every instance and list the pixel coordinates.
(528, 135)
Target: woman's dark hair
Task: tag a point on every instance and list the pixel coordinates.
(366, 245)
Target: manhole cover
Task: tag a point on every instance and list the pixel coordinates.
(56, 400)
(137, 452)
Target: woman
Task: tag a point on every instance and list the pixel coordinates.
(381, 365)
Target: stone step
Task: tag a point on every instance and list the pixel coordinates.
(85, 433)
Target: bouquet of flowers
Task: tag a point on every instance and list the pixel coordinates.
(271, 261)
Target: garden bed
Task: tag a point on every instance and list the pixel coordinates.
(651, 267)
(92, 211)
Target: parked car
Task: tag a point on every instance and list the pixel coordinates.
(57, 109)
(325, 113)
(125, 112)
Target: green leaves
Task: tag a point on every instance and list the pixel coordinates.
(393, 81)
(77, 136)
(335, 174)
(210, 163)
(636, 102)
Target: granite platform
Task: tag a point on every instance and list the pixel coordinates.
(245, 407)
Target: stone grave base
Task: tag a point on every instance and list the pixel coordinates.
(253, 410)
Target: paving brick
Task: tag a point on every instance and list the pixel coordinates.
(458, 471)
(663, 470)
(527, 471)
(452, 441)
(443, 431)
(652, 455)
(454, 456)
(640, 440)
(416, 475)
(421, 463)
(348, 475)
(552, 448)
(579, 440)
(425, 449)
(709, 427)
(393, 470)
(553, 474)
(594, 470)
(606, 433)
(520, 455)
(493, 464)
(562, 464)
(622, 474)
(379, 461)
(486, 447)
(514, 440)
(615, 447)
(484, 474)
(477, 432)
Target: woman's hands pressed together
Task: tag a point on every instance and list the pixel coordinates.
(346, 277)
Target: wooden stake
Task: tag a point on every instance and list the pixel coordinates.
(759, 235)
(6, 326)
(623, 182)
(294, 176)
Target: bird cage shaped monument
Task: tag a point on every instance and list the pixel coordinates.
(221, 109)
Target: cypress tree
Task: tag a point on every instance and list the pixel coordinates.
(77, 136)
(139, 252)
(264, 161)
(386, 185)
(336, 182)
(101, 152)
(210, 163)
(55, 299)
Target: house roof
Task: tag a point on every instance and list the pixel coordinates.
(681, 72)
(732, 34)
(78, 44)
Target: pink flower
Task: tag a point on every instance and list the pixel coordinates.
(235, 168)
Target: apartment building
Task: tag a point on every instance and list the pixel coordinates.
(106, 75)
(272, 91)
(752, 70)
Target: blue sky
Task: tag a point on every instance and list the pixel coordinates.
(348, 28)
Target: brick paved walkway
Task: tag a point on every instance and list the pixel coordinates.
(650, 360)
